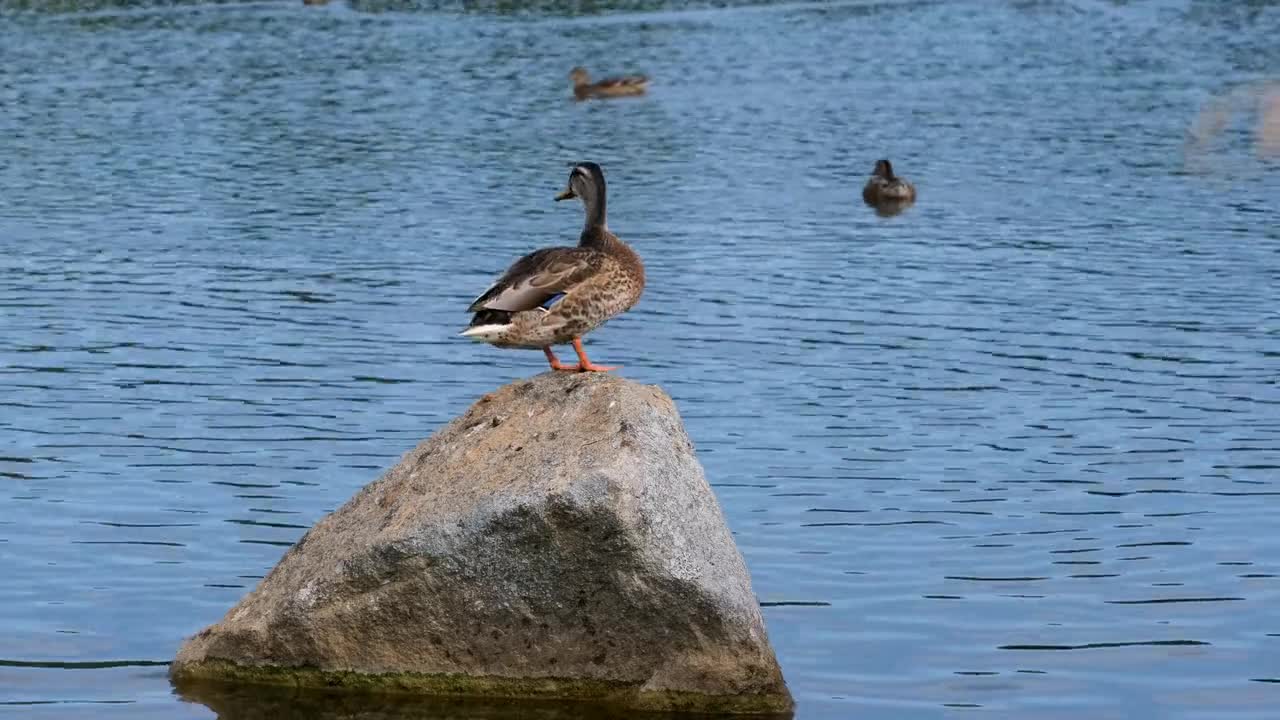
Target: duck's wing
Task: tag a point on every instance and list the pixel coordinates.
(871, 191)
(625, 81)
(538, 277)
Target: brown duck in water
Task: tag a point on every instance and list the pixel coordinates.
(556, 295)
(885, 187)
(584, 89)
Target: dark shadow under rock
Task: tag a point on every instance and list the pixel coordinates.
(231, 701)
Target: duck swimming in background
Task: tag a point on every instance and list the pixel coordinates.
(885, 187)
(556, 295)
(625, 86)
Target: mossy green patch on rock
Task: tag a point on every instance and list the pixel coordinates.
(616, 694)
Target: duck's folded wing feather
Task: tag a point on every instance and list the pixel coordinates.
(624, 81)
(538, 277)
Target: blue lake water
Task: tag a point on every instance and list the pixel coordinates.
(1012, 453)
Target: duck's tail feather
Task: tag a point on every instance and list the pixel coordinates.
(485, 333)
(488, 325)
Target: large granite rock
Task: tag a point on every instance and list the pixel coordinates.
(558, 540)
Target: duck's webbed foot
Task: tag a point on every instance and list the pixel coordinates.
(585, 364)
(556, 364)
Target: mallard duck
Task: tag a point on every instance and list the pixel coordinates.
(884, 186)
(556, 295)
(583, 88)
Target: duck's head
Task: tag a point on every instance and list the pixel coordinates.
(884, 169)
(586, 181)
(579, 76)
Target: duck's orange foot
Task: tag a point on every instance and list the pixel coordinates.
(555, 362)
(585, 364)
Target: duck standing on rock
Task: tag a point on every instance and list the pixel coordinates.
(628, 85)
(885, 187)
(556, 295)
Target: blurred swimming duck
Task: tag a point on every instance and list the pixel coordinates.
(884, 186)
(556, 295)
(627, 85)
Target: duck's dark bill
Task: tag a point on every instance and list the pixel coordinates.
(566, 195)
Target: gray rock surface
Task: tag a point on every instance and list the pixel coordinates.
(557, 540)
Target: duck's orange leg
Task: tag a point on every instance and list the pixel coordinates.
(555, 362)
(585, 365)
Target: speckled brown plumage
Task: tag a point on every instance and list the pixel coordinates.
(556, 295)
(628, 85)
(885, 187)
